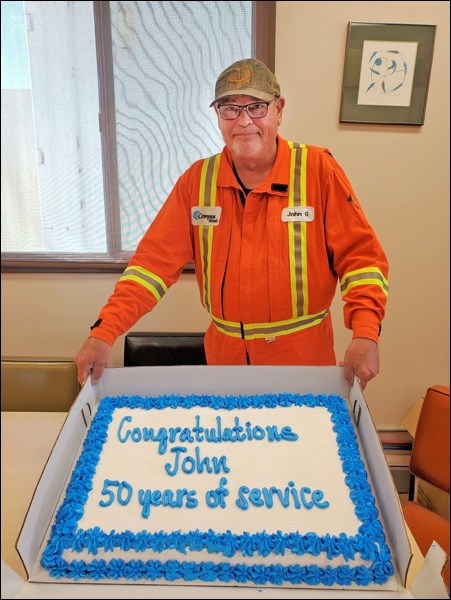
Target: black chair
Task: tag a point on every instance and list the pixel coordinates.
(143, 349)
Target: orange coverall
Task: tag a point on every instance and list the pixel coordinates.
(267, 267)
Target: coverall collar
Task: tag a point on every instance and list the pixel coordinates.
(277, 181)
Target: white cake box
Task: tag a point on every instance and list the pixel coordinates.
(220, 381)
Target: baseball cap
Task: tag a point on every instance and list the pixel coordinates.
(247, 77)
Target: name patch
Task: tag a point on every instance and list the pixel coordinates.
(205, 215)
(298, 213)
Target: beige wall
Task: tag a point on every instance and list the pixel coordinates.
(400, 174)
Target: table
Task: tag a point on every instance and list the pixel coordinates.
(27, 440)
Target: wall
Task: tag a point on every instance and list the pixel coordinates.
(400, 173)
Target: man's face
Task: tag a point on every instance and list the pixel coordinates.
(249, 137)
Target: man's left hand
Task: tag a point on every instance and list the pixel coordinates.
(362, 360)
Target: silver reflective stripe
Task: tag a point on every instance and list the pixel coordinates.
(271, 330)
(154, 284)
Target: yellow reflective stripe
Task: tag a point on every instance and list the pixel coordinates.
(292, 233)
(263, 330)
(365, 276)
(303, 241)
(230, 328)
(207, 197)
(297, 238)
(154, 284)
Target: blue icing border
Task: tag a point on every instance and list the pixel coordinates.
(369, 543)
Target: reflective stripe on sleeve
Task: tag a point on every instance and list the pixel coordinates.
(365, 276)
(154, 284)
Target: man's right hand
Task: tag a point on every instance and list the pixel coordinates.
(91, 359)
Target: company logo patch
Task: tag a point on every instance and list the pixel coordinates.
(205, 215)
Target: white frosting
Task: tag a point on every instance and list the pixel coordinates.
(292, 484)
(310, 461)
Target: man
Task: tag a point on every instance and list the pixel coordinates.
(271, 226)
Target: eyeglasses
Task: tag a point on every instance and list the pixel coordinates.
(255, 110)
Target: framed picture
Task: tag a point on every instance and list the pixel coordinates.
(387, 71)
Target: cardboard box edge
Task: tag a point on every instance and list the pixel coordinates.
(34, 524)
(386, 493)
(108, 386)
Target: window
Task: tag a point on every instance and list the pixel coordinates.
(104, 105)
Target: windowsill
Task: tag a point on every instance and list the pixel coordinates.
(70, 266)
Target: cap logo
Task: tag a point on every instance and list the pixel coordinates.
(240, 77)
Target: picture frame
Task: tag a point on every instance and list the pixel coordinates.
(386, 73)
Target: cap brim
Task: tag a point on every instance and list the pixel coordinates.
(245, 92)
